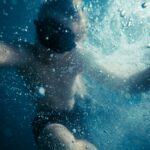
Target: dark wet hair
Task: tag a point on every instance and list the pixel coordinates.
(55, 36)
(51, 33)
(65, 8)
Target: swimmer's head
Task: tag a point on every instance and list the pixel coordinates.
(60, 24)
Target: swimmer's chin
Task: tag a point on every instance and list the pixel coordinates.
(46, 54)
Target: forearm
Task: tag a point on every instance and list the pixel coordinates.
(137, 83)
(96, 70)
(107, 79)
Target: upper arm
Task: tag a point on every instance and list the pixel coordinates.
(12, 54)
(93, 68)
(114, 76)
(137, 83)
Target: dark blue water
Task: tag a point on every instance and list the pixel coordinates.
(16, 109)
(123, 122)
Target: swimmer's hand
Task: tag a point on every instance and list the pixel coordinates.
(13, 54)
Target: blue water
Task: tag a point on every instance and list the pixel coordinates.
(119, 33)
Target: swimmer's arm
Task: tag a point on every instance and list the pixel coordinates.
(13, 54)
(94, 69)
(105, 78)
(136, 83)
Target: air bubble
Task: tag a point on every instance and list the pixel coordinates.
(52, 55)
(71, 17)
(144, 5)
(129, 23)
(148, 45)
(54, 70)
(47, 38)
(66, 31)
(42, 91)
(122, 13)
(74, 130)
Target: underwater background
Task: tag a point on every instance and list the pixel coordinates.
(118, 30)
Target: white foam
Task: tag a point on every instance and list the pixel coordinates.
(121, 40)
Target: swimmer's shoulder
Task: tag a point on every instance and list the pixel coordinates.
(75, 59)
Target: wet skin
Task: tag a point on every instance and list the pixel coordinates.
(59, 75)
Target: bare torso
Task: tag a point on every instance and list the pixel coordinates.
(53, 82)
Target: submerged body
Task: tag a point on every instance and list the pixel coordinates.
(57, 77)
(55, 81)
(52, 70)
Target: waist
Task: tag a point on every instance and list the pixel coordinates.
(47, 104)
(72, 119)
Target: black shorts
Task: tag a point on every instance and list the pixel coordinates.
(73, 120)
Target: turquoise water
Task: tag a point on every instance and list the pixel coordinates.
(119, 35)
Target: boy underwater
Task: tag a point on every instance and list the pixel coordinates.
(53, 67)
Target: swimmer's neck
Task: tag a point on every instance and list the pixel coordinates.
(45, 55)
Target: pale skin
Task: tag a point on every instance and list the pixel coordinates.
(59, 85)
(59, 75)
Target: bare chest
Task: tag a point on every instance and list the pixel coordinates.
(54, 78)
